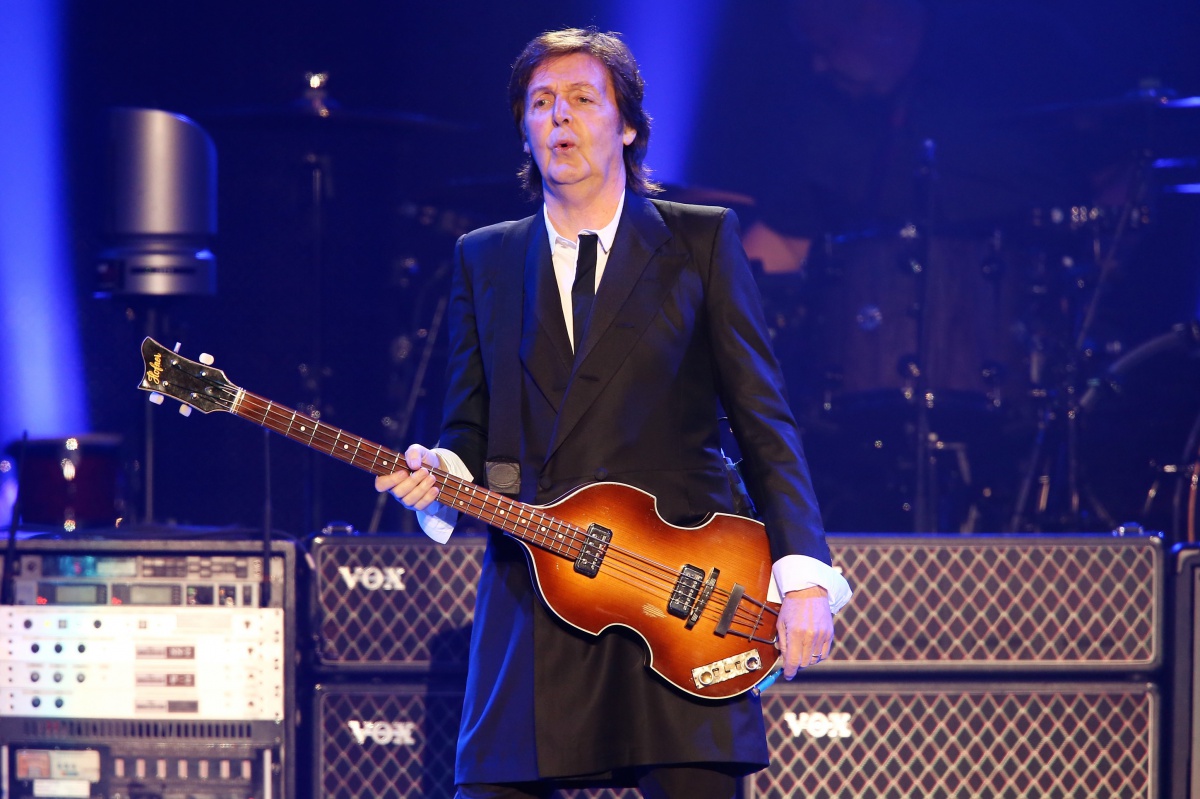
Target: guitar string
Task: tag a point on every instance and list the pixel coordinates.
(284, 418)
(665, 578)
(281, 420)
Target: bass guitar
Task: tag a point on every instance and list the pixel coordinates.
(600, 556)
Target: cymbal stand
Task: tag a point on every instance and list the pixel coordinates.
(925, 491)
(1056, 441)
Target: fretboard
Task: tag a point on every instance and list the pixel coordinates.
(519, 520)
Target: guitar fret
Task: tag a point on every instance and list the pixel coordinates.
(638, 569)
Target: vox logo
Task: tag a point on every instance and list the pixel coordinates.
(818, 725)
(372, 578)
(394, 733)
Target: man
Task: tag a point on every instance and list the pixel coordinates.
(630, 393)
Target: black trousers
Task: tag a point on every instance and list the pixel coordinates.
(681, 782)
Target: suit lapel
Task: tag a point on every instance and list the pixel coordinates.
(629, 296)
(545, 348)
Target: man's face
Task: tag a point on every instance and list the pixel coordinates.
(573, 128)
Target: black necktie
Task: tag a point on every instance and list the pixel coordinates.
(583, 290)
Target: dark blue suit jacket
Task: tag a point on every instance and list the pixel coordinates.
(676, 335)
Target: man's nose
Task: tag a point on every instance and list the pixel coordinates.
(562, 111)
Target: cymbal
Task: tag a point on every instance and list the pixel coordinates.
(1137, 100)
(704, 195)
(309, 114)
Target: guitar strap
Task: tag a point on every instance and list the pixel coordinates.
(504, 411)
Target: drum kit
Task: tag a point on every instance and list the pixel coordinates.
(983, 381)
(946, 381)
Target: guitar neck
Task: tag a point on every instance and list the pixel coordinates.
(521, 521)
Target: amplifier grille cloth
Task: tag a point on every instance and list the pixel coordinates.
(924, 602)
(1076, 741)
(390, 765)
(425, 623)
(1005, 603)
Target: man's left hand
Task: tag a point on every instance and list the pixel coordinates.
(805, 629)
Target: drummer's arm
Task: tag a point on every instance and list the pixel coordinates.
(778, 253)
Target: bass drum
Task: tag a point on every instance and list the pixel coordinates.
(71, 483)
(1140, 436)
(866, 292)
(868, 300)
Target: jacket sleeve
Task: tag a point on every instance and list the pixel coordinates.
(752, 393)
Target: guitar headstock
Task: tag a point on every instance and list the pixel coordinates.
(197, 384)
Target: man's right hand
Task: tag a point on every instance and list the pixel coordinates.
(416, 488)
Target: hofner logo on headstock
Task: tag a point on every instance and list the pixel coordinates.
(156, 369)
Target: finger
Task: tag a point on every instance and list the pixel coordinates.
(418, 491)
(417, 456)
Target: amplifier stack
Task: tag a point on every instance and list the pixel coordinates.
(1012, 666)
(148, 668)
(980, 666)
(965, 666)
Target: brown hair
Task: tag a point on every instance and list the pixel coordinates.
(627, 83)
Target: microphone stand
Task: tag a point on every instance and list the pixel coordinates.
(10, 550)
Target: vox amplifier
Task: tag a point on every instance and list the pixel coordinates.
(1184, 711)
(928, 603)
(1076, 740)
(394, 602)
(393, 741)
(1012, 603)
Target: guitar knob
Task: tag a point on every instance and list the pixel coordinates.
(205, 359)
(185, 410)
(156, 398)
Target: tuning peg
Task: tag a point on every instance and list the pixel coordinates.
(156, 398)
(205, 359)
(185, 410)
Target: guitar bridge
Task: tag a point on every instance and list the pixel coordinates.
(592, 550)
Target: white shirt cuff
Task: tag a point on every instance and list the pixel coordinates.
(794, 572)
(438, 520)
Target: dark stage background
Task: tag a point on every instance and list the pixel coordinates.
(335, 234)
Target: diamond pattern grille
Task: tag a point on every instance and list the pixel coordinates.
(414, 759)
(987, 602)
(1045, 742)
(391, 762)
(366, 619)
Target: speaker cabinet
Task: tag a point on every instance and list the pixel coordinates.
(1185, 678)
(986, 603)
(395, 740)
(1077, 741)
(952, 603)
(394, 603)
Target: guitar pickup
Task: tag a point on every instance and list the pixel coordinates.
(687, 588)
(592, 550)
